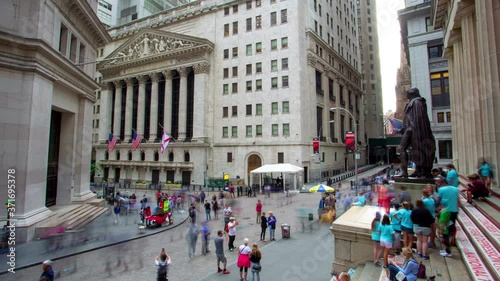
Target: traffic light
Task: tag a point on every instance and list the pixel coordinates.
(315, 145)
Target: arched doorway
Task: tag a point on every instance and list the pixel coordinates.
(254, 161)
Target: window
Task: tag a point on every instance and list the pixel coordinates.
(234, 111)
(258, 3)
(445, 149)
(316, 27)
(235, 27)
(258, 84)
(274, 44)
(274, 128)
(234, 87)
(274, 65)
(235, 71)
(273, 18)
(226, 53)
(235, 9)
(234, 132)
(249, 49)
(249, 4)
(285, 107)
(284, 17)
(440, 117)
(249, 69)
(63, 39)
(229, 157)
(249, 130)
(258, 47)
(273, 1)
(235, 52)
(274, 83)
(226, 72)
(281, 158)
(258, 129)
(284, 63)
(81, 52)
(249, 86)
(284, 81)
(258, 67)
(284, 42)
(226, 11)
(330, 90)
(226, 30)
(319, 86)
(274, 108)
(440, 89)
(225, 132)
(225, 112)
(258, 22)
(435, 51)
(428, 24)
(249, 24)
(249, 110)
(448, 117)
(225, 89)
(72, 48)
(286, 129)
(258, 109)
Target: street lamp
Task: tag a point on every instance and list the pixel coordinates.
(319, 151)
(355, 142)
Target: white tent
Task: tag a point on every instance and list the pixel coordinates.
(279, 168)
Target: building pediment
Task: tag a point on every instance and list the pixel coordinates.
(151, 45)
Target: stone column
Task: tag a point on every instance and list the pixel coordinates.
(183, 72)
(129, 108)
(118, 109)
(81, 187)
(153, 123)
(141, 108)
(459, 110)
(105, 113)
(167, 105)
(201, 106)
(311, 63)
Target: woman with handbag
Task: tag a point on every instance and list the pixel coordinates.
(244, 259)
(255, 257)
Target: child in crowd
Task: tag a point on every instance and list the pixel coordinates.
(377, 250)
(386, 238)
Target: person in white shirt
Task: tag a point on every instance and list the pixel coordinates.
(244, 259)
(227, 214)
(162, 261)
(232, 232)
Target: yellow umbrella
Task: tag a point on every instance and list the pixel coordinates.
(321, 188)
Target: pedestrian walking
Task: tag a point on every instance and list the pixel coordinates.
(227, 214)
(162, 261)
(258, 209)
(48, 272)
(244, 260)
(205, 236)
(271, 222)
(207, 210)
(231, 232)
(192, 213)
(219, 252)
(255, 257)
(263, 227)
(215, 207)
(192, 238)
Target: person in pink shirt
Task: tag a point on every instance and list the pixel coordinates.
(258, 209)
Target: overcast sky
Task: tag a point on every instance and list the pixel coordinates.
(389, 40)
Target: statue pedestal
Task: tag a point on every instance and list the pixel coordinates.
(352, 233)
(413, 186)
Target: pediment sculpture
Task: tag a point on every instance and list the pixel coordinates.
(149, 45)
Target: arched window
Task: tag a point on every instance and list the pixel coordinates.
(106, 156)
(143, 156)
(130, 156)
(118, 155)
(186, 156)
(157, 156)
(171, 157)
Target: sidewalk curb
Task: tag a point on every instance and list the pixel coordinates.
(99, 247)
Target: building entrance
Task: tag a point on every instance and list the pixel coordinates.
(53, 159)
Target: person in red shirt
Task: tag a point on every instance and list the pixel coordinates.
(475, 189)
(258, 209)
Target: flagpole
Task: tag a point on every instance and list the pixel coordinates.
(166, 132)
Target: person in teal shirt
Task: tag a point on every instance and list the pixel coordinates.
(377, 250)
(361, 201)
(449, 200)
(403, 215)
(396, 226)
(452, 175)
(386, 233)
(486, 174)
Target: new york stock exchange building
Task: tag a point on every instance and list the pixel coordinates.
(234, 85)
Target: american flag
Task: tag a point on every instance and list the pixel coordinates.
(111, 142)
(136, 140)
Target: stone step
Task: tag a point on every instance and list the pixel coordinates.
(58, 223)
(82, 223)
(485, 223)
(370, 272)
(494, 202)
(477, 268)
(97, 202)
(76, 221)
(488, 252)
(357, 272)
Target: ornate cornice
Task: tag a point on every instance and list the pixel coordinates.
(183, 71)
(201, 68)
(142, 79)
(155, 77)
(167, 73)
(129, 81)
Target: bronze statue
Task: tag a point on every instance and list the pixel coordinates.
(417, 134)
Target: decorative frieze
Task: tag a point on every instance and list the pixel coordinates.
(201, 68)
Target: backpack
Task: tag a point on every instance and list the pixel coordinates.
(421, 271)
(226, 228)
(161, 273)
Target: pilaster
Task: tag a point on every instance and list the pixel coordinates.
(201, 106)
(105, 112)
